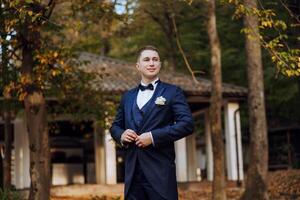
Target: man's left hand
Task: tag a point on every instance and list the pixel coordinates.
(143, 140)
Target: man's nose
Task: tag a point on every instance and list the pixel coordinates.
(151, 63)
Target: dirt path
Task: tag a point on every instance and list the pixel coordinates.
(282, 185)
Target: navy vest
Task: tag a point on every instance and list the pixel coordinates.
(138, 114)
(138, 118)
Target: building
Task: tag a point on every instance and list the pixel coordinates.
(84, 153)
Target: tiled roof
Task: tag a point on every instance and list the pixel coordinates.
(121, 76)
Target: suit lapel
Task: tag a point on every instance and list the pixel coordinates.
(129, 104)
(158, 91)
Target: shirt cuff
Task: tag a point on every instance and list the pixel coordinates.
(152, 138)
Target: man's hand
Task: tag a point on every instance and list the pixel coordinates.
(128, 136)
(143, 140)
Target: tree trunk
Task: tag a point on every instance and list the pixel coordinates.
(168, 30)
(6, 162)
(1, 170)
(36, 119)
(256, 187)
(105, 48)
(219, 186)
(35, 109)
(171, 50)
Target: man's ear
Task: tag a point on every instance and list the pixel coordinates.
(137, 65)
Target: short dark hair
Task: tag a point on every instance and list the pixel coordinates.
(148, 47)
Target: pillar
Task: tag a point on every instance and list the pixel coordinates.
(181, 160)
(22, 154)
(191, 157)
(110, 159)
(208, 148)
(233, 145)
(99, 155)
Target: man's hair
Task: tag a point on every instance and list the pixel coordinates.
(148, 47)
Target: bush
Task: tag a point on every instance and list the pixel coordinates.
(9, 194)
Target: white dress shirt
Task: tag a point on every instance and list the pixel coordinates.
(144, 96)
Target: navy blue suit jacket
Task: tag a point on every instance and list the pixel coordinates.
(168, 123)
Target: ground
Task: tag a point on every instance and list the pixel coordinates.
(282, 185)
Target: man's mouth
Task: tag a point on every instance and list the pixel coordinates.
(151, 70)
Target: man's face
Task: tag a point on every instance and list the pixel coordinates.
(149, 64)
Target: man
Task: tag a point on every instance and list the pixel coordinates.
(150, 118)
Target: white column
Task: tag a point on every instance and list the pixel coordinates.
(239, 146)
(110, 157)
(22, 155)
(208, 145)
(181, 160)
(233, 143)
(99, 155)
(191, 157)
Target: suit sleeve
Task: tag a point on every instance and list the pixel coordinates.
(183, 122)
(118, 125)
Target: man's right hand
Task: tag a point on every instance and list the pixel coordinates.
(128, 136)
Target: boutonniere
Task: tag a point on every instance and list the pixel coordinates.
(160, 101)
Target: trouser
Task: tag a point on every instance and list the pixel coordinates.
(140, 188)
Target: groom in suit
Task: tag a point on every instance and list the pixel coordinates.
(150, 118)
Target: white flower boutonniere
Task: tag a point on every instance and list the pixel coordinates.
(160, 101)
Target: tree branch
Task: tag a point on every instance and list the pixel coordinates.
(289, 11)
(181, 50)
(13, 53)
(51, 6)
(270, 18)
